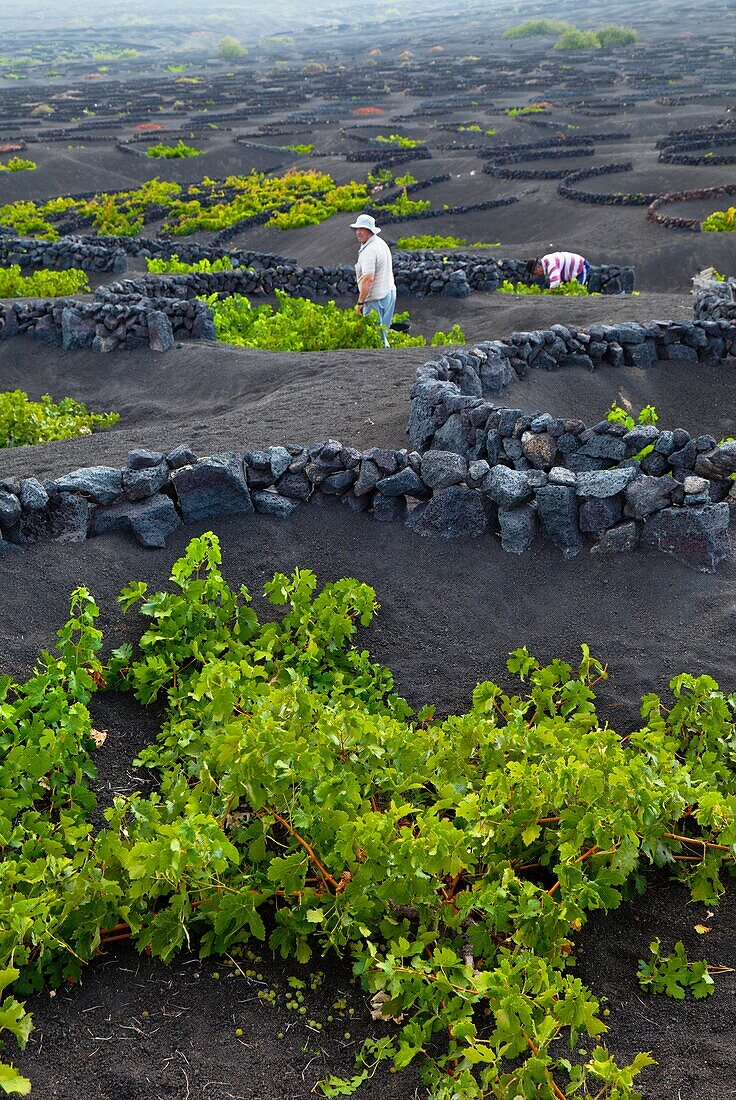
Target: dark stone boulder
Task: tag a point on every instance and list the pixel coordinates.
(160, 332)
(9, 510)
(144, 482)
(648, 494)
(183, 455)
(151, 521)
(518, 528)
(406, 482)
(268, 503)
(698, 537)
(509, 488)
(717, 463)
(617, 540)
(33, 496)
(142, 459)
(455, 512)
(443, 468)
(100, 484)
(605, 483)
(77, 330)
(389, 509)
(215, 486)
(294, 484)
(597, 514)
(558, 511)
(65, 519)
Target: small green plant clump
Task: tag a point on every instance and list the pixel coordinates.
(404, 205)
(296, 324)
(302, 803)
(42, 284)
(302, 150)
(675, 974)
(398, 140)
(173, 152)
(175, 266)
(573, 289)
(604, 38)
(18, 164)
(24, 422)
(437, 243)
(230, 49)
(721, 221)
(532, 109)
(648, 415)
(534, 27)
(454, 336)
(405, 180)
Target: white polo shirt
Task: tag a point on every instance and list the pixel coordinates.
(374, 259)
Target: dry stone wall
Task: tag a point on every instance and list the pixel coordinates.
(476, 468)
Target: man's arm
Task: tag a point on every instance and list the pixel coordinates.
(553, 270)
(364, 289)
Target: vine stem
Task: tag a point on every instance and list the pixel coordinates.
(553, 1084)
(705, 844)
(306, 846)
(581, 859)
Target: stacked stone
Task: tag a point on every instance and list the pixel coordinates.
(388, 158)
(390, 219)
(601, 198)
(654, 213)
(717, 302)
(108, 325)
(78, 252)
(688, 150)
(437, 493)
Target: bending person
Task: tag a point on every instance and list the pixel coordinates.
(375, 274)
(560, 267)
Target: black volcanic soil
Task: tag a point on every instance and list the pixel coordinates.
(450, 611)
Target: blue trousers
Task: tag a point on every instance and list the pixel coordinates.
(384, 307)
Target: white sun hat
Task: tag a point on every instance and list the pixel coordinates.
(365, 221)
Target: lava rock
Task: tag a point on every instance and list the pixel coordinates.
(454, 512)
(697, 537)
(214, 486)
(151, 521)
(518, 528)
(558, 511)
(100, 484)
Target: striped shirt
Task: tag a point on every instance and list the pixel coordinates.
(562, 267)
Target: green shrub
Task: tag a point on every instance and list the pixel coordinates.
(302, 804)
(173, 152)
(535, 27)
(229, 48)
(721, 221)
(175, 266)
(405, 180)
(41, 284)
(613, 34)
(17, 164)
(427, 240)
(578, 40)
(617, 415)
(454, 336)
(300, 150)
(24, 422)
(573, 289)
(532, 109)
(398, 140)
(297, 324)
(405, 205)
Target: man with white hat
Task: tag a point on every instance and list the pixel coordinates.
(375, 274)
